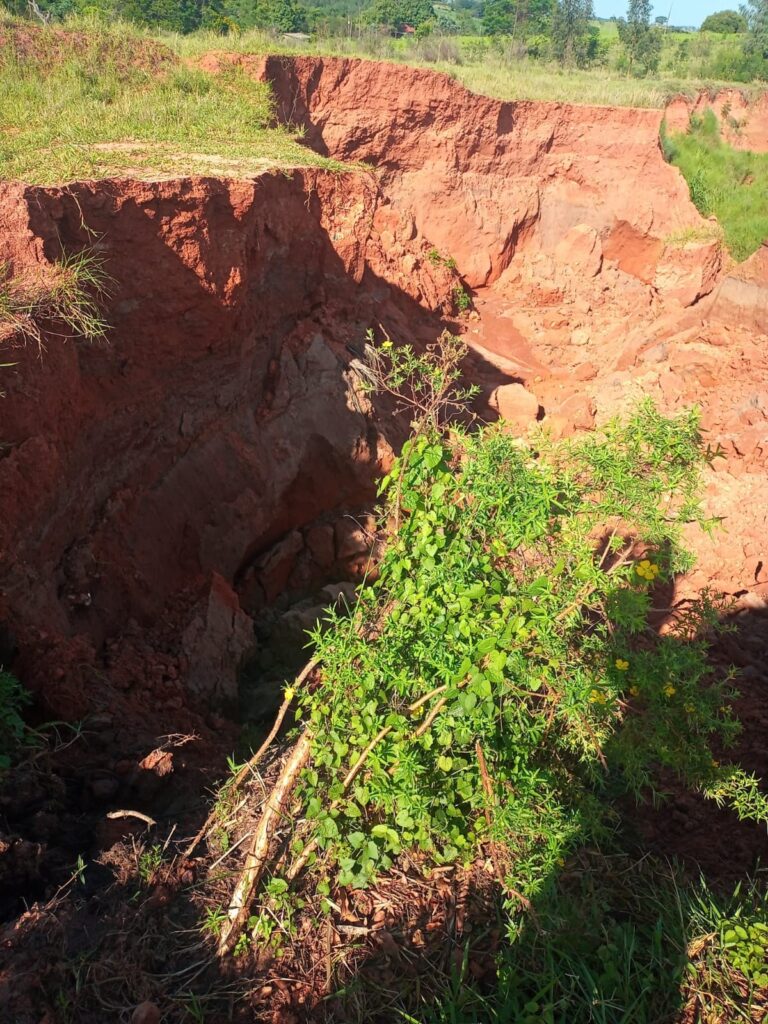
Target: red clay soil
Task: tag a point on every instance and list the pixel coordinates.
(158, 490)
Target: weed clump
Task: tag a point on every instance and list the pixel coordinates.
(68, 295)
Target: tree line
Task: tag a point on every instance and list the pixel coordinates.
(562, 30)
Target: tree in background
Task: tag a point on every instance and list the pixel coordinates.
(641, 40)
(756, 41)
(282, 15)
(395, 15)
(516, 17)
(725, 22)
(572, 41)
(171, 15)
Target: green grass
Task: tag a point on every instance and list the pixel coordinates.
(617, 940)
(726, 183)
(73, 118)
(66, 296)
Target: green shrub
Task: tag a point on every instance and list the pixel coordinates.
(500, 675)
(462, 300)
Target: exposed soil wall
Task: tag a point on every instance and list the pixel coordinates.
(221, 415)
(148, 477)
(480, 178)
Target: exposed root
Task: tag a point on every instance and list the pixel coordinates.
(251, 764)
(256, 859)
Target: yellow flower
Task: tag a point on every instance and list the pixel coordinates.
(290, 693)
(634, 691)
(596, 697)
(647, 569)
(386, 345)
(622, 665)
(670, 690)
(690, 708)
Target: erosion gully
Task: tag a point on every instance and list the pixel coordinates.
(168, 496)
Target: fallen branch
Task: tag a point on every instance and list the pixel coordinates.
(249, 765)
(256, 858)
(149, 822)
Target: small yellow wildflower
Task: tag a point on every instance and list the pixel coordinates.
(622, 665)
(634, 691)
(690, 708)
(596, 697)
(670, 690)
(289, 693)
(647, 569)
(386, 345)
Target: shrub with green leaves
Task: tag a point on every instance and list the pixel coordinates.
(13, 698)
(745, 947)
(501, 671)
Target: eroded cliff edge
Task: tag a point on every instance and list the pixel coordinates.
(150, 483)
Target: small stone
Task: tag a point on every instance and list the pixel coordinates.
(515, 404)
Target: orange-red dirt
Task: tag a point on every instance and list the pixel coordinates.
(158, 490)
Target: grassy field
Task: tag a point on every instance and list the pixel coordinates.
(729, 184)
(81, 116)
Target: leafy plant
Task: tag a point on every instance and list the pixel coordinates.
(500, 675)
(745, 945)
(214, 920)
(437, 259)
(462, 300)
(149, 862)
(13, 698)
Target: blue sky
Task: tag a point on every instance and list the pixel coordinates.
(684, 12)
